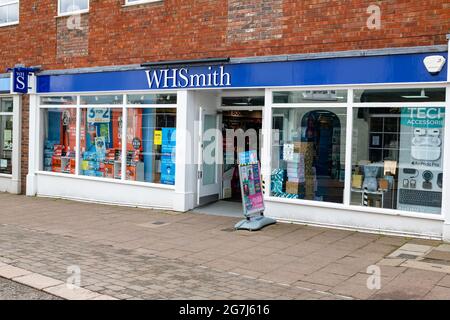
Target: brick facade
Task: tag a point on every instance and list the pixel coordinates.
(174, 29)
(254, 20)
(113, 34)
(72, 36)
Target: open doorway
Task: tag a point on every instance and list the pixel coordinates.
(237, 118)
(235, 123)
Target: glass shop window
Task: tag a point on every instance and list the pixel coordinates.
(101, 142)
(59, 128)
(170, 98)
(308, 153)
(6, 105)
(151, 143)
(399, 95)
(58, 100)
(6, 143)
(310, 96)
(397, 158)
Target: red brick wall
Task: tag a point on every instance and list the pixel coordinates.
(176, 29)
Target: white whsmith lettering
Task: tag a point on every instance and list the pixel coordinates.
(180, 78)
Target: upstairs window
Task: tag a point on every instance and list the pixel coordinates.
(9, 12)
(67, 7)
(131, 2)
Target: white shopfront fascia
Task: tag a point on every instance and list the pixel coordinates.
(12, 182)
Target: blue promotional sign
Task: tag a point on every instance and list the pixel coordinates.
(20, 80)
(404, 68)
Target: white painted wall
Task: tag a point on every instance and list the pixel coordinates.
(112, 192)
(355, 220)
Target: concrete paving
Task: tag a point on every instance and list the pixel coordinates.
(130, 253)
(11, 290)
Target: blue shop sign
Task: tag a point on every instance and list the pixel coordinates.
(405, 68)
(20, 79)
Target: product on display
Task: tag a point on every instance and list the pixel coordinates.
(422, 134)
(167, 158)
(357, 181)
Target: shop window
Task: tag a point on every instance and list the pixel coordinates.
(308, 153)
(131, 2)
(257, 101)
(101, 142)
(59, 127)
(6, 105)
(58, 100)
(310, 96)
(400, 95)
(6, 143)
(72, 6)
(151, 142)
(9, 12)
(170, 98)
(101, 100)
(397, 158)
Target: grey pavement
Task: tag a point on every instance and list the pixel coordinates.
(131, 253)
(10, 290)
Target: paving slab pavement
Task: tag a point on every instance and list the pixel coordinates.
(130, 253)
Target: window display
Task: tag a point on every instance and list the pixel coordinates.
(101, 142)
(397, 158)
(6, 143)
(151, 141)
(308, 153)
(60, 140)
(6, 135)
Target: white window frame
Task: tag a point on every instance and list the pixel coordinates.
(135, 3)
(64, 14)
(351, 105)
(10, 114)
(17, 141)
(124, 106)
(6, 24)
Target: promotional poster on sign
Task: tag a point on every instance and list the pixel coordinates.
(251, 188)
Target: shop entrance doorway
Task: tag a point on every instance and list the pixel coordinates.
(240, 131)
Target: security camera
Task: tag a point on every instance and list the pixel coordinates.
(434, 64)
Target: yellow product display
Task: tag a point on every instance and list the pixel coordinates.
(84, 165)
(357, 181)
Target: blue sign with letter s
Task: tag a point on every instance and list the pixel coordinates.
(20, 80)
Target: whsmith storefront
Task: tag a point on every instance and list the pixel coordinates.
(349, 140)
